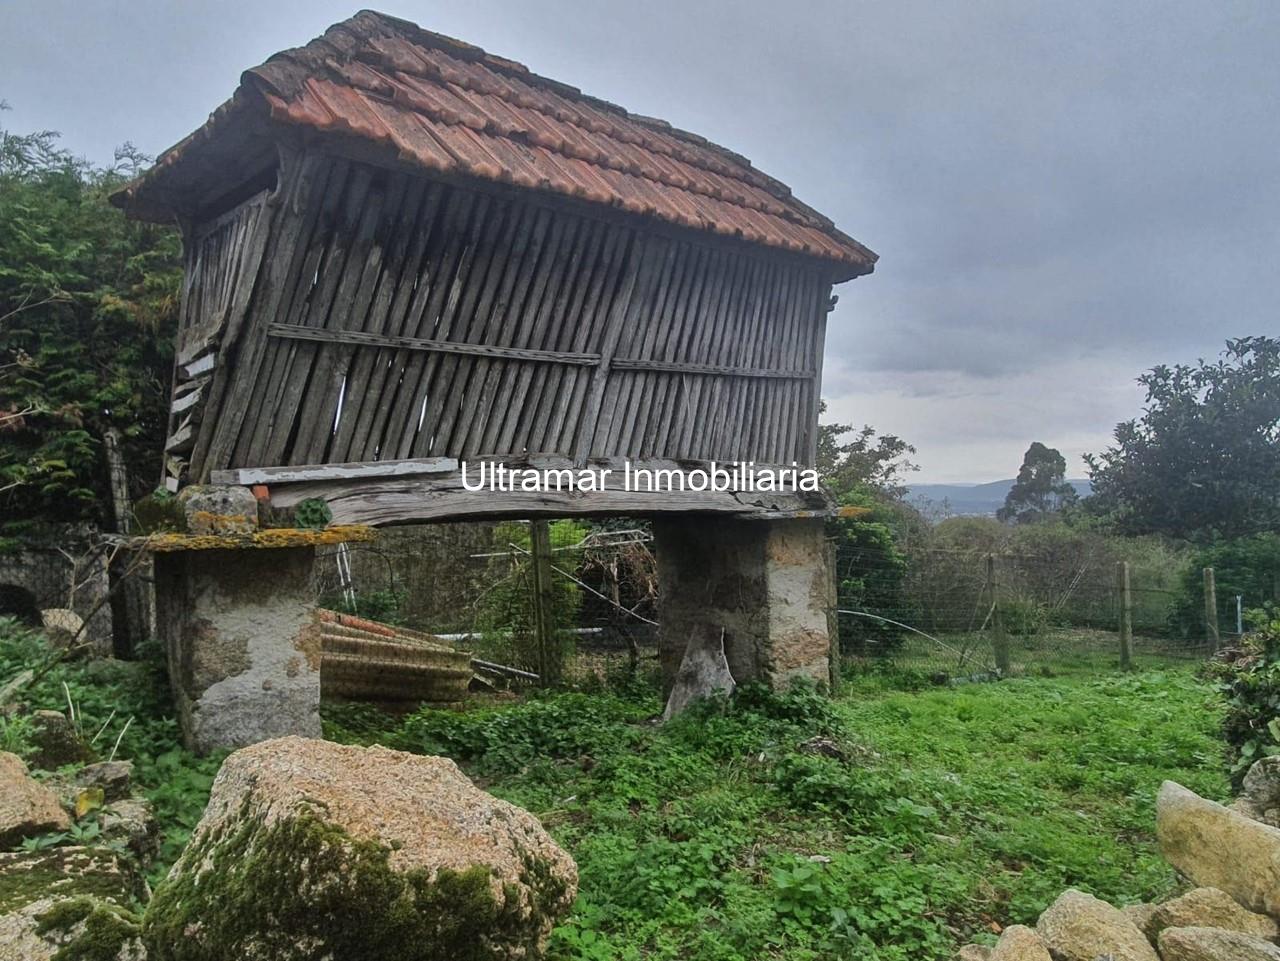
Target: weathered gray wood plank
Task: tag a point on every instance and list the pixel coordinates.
(354, 470)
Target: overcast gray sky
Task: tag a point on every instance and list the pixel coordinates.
(1062, 194)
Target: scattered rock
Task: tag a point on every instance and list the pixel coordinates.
(1214, 944)
(27, 807)
(822, 747)
(1208, 908)
(1019, 943)
(61, 626)
(1262, 783)
(1079, 927)
(1140, 915)
(974, 952)
(51, 930)
(1261, 798)
(306, 841)
(213, 509)
(114, 777)
(56, 741)
(1219, 848)
(133, 822)
(12, 687)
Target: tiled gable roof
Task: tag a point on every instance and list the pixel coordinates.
(448, 106)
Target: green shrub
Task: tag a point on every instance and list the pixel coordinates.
(1250, 681)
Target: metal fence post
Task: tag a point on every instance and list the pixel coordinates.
(544, 629)
(1126, 616)
(999, 640)
(1211, 610)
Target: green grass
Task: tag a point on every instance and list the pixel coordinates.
(954, 808)
(1051, 651)
(715, 837)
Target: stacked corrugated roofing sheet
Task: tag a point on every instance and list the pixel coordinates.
(450, 107)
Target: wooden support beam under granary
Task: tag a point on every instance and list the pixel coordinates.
(399, 246)
(404, 255)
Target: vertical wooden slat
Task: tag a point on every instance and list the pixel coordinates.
(568, 394)
(351, 310)
(458, 370)
(366, 369)
(374, 366)
(512, 325)
(292, 227)
(647, 256)
(445, 255)
(455, 324)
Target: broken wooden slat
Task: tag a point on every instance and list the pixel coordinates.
(247, 476)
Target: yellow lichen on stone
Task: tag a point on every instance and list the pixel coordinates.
(276, 537)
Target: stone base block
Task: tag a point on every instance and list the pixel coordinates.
(243, 643)
(768, 584)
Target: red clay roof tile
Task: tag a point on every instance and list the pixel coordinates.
(447, 105)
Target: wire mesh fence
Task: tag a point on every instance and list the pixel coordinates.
(969, 613)
(572, 602)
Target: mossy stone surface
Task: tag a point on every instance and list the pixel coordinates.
(91, 930)
(301, 889)
(64, 872)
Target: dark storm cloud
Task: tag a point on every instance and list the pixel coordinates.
(1062, 194)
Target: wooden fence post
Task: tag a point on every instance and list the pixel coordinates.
(1211, 610)
(544, 627)
(999, 640)
(1126, 617)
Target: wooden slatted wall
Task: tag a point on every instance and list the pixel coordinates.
(396, 316)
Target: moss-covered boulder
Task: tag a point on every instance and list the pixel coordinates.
(76, 929)
(312, 850)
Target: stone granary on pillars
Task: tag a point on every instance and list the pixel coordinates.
(404, 254)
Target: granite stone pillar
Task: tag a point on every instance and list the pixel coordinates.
(766, 583)
(243, 643)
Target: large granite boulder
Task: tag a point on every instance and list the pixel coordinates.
(27, 807)
(312, 850)
(1079, 927)
(1208, 908)
(1220, 848)
(1214, 944)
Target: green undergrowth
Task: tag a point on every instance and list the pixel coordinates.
(733, 832)
(120, 706)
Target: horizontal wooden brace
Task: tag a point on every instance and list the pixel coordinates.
(440, 497)
(327, 336)
(302, 473)
(714, 370)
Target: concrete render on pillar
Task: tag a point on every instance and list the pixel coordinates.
(243, 643)
(767, 583)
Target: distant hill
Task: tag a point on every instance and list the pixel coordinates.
(971, 498)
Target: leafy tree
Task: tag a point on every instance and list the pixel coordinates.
(1041, 487)
(862, 461)
(88, 303)
(1204, 458)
